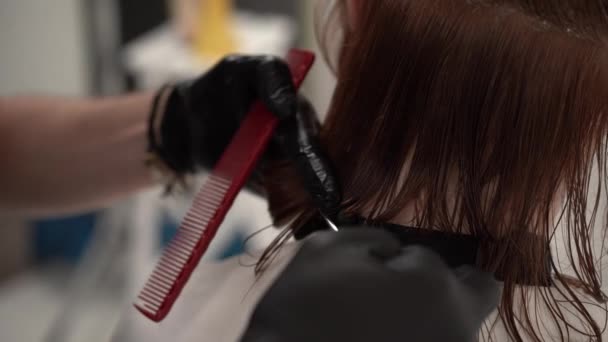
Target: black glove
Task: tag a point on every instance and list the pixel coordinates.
(297, 138)
(201, 116)
(360, 285)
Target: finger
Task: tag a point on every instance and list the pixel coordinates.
(307, 116)
(483, 287)
(275, 87)
(300, 144)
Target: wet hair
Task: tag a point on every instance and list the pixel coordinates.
(485, 118)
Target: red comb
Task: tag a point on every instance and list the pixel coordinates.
(215, 198)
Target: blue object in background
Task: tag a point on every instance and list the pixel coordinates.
(168, 230)
(234, 247)
(65, 238)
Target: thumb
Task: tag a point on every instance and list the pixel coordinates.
(275, 87)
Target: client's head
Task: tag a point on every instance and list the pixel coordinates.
(483, 118)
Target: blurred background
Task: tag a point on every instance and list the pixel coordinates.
(68, 278)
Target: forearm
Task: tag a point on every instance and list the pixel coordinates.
(62, 155)
(59, 155)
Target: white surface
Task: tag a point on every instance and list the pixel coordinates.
(42, 47)
(162, 57)
(320, 83)
(29, 304)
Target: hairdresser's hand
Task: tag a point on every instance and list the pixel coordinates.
(202, 115)
(359, 285)
(297, 138)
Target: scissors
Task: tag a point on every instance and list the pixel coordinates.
(299, 140)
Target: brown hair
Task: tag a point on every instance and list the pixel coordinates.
(475, 117)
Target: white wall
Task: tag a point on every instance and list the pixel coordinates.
(42, 50)
(320, 84)
(42, 47)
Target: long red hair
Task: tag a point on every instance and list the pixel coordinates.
(476, 117)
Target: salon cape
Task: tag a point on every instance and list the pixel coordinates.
(218, 300)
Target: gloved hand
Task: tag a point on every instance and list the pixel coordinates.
(201, 116)
(360, 285)
(297, 138)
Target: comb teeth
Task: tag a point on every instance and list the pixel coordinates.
(181, 249)
(212, 203)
